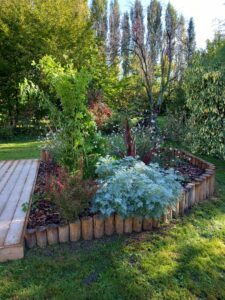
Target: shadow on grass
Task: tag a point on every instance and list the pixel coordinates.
(181, 261)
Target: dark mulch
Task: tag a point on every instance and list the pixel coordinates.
(44, 211)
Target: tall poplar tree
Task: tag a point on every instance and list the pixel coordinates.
(191, 43)
(154, 33)
(114, 32)
(125, 43)
(180, 52)
(168, 52)
(138, 27)
(100, 21)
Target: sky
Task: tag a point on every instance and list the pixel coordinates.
(205, 14)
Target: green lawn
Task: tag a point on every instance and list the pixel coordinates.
(185, 260)
(20, 150)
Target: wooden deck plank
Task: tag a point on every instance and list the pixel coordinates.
(5, 177)
(19, 219)
(2, 162)
(10, 207)
(8, 188)
(11, 253)
(4, 170)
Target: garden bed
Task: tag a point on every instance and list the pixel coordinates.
(46, 226)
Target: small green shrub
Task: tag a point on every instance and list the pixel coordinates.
(131, 188)
(175, 128)
(74, 133)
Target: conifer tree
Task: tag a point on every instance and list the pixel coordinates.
(125, 43)
(154, 27)
(191, 43)
(180, 52)
(138, 27)
(100, 21)
(114, 32)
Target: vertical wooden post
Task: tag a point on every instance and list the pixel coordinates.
(197, 190)
(182, 204)
(176, 210)
(128, 222)
(98, 226)
(207, 185)
(43, 155)
(192, 194)
(64, 233)
(119, 224)
(170, 214)
(204, 187)
(52, 234)
(30, 238)
(155, 223)
(87, 228)
(41, 237)
(109, 225)
(147, 224)
(137, 224)
(75, 231)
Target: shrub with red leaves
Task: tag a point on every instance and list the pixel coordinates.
(101, 112)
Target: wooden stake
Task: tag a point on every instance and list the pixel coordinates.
(147, 224)
(137, 224)
(169, 214)
(155, 223)
(128, 225)
(119, 224)
(64, 233)
(52, 234)
(176, 210)
(182, 204)
(98, 226)
(87, 228)
(41, 237)
(109, 225)
(192, 194)
(204, 187)
(47, 155)
(75, 231)
(43, 155)
(30, 238)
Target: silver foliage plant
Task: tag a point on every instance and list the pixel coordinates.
(131, 188)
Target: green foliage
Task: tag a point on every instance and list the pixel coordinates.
(71, 195)
(204, 86)
(76, 138)
(28, 31)
(131, 188)
(175, 128)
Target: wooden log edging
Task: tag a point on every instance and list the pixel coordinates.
(89, 228)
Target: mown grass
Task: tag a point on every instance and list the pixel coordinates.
(20, 150)
(185, 260)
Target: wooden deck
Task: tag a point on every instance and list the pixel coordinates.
(17, 180)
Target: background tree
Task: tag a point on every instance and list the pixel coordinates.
(156, 66)
(191, 43)
(99, 10)
(125, 44)
(28, 31)
(205, 93)
(154, 33)
(114, 33)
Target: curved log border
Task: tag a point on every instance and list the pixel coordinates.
(88, 228)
